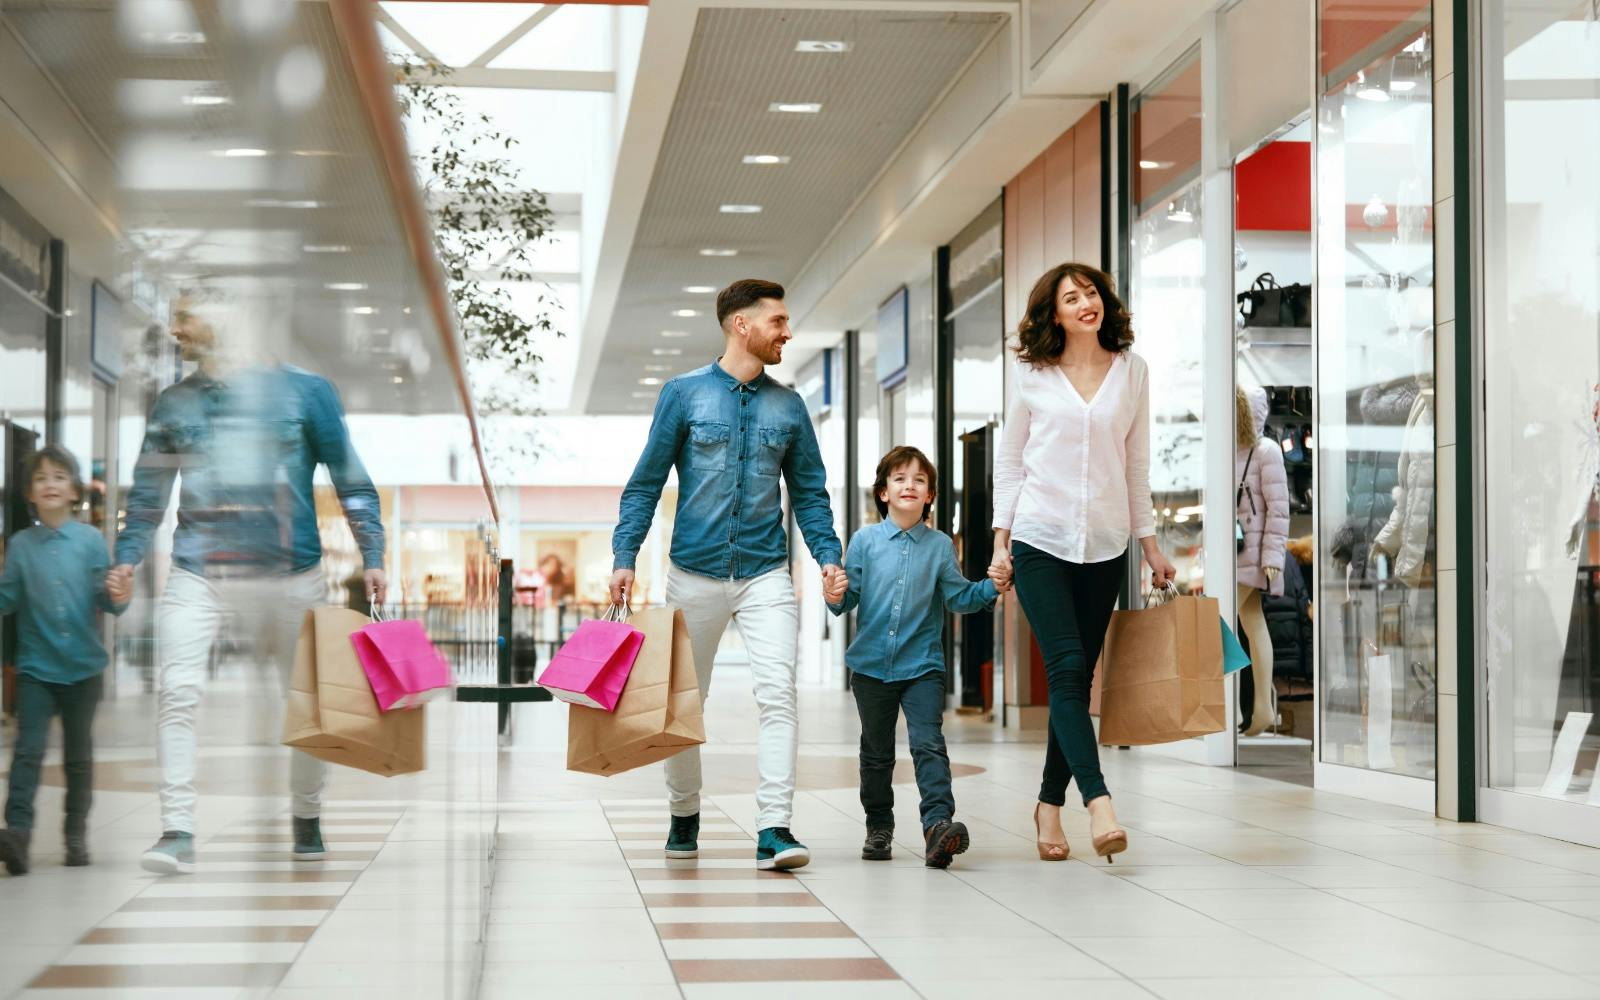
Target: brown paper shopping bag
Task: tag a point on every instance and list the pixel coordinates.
(332, 714)
(1163, 674)
(659, 712)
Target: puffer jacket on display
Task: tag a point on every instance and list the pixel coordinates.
(1408, 536)
(1289, 623)
(1263, 508)
(1371, 476)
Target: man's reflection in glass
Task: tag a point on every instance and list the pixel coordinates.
(243, 436)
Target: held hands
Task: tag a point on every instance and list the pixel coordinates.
(835, 582)
(119, 584)
(622, 588)
(1000, 563)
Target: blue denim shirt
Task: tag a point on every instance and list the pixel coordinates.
(247, 447)
(54, 580)
(904, 581)
(729, 441)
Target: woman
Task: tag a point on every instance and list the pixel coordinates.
(1262, 513)
(1071, 485)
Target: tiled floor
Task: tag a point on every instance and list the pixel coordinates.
(1234, 885)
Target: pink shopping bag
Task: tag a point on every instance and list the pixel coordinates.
(403, 667)
(593, 666)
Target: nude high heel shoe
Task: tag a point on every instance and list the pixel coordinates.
(1110, 843)
(1047, 850)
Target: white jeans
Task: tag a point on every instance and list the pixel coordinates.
(769, 619)
(267, 612)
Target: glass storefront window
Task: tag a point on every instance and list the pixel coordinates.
(1376, 604)
(1541, 363)
(1168, 302)
(867, 432)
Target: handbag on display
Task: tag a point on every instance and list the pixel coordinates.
(1267, 303)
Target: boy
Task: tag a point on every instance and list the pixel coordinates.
(904, 577)
(56, 575)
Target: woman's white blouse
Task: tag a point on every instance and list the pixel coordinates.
(1072, 478)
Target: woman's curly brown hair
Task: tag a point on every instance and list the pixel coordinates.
(1040, 339)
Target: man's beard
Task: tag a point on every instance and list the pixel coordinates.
(771, 353)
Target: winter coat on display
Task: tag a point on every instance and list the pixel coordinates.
(1408, 535)
(1289, 623)
(1371, 476)
(1263, 508)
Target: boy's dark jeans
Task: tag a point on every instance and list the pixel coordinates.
(37, 702)
(880, 704)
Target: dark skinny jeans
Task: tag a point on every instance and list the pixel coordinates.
(1069, 606)
(880, 704)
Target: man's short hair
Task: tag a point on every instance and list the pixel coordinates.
(57, 456)
(743, 294)
(897, 457)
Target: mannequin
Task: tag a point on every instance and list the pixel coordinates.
(1262, 510)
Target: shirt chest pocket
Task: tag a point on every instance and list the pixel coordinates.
(708, 445)
(774, 446)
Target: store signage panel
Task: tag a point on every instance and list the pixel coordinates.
(105, 333)
(815, 384)
(894, 338)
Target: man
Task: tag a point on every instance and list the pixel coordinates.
(730, 431)
(247, 437)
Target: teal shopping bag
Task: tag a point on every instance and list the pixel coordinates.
(1233, 654)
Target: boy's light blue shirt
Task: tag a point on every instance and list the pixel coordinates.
(730, 442)
(903, 581)
(54, 580)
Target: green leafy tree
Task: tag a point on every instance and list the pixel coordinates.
(486, 222)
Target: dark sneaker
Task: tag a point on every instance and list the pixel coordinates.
(308, 840)
(173, 854)
(777, 850)
(14, 850)
(683, 840)
(946, 839)
(77, 850)
(879, 845)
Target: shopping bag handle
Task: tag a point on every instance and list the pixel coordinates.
(375, 611)
(615, 613)
(1164, 594)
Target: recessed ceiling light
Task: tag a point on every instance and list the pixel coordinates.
(685, 314)
(325, 248)
(206, 100)
(658, 368)
(315, 152)
(1155, 165)
(649, 381)
(363, 310)
(765, 160)
(1402, 86)
(716, 252)
(699, 289)
(809, 45)
(674, 333)
(666, 352)
(399, 379)
(345, 286)
(239, 152)
(644, 395)
(283, 203)
(1371, 93)
(796, 107)
(741, 209)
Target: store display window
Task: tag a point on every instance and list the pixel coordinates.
(1376, 600)
(1541, 365)
(1168, 305)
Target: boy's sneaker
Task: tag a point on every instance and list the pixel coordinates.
(777, 850)
(683, 840)
(14, 850)
(879, 845)
(946, 839)
(173, 854)
(308, 840)
(77, 850)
